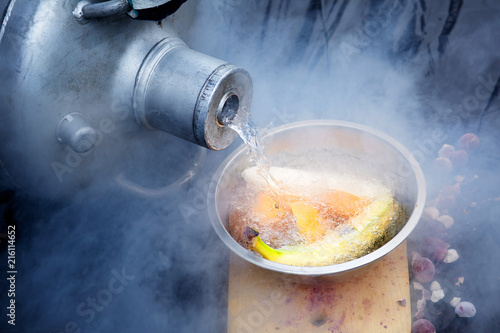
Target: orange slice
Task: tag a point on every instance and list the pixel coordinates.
(308, 220)
(267, 208)
(344, 204)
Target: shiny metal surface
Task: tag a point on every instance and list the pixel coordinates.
(383, 158)
(75, 131)
(86, 10)
(52, 66)
(168, 84)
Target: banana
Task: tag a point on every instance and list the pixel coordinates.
(365, 232)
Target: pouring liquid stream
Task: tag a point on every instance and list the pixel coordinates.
(251, 136)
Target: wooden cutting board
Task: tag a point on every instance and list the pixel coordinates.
(262, 301)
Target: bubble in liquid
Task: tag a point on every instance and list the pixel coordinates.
(353, 170)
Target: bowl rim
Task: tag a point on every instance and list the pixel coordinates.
(335, 269)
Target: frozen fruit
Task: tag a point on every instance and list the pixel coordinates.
(468, 142)
(423, 326)
(421, 303)
(420, 314)
(446, 220)
(446, 151)
(344, 204)
(435, 286)
(426, 294)
(267, 208)
(308, 220)
(465, 309)
(437, 292)
(333, 248)
(455, 301)
(422, 268)
(430, 213)
(443, 165)
(434, 248)
(452, 256)
(437, 295)
(460, 281)
(435, 228)
(417, 286)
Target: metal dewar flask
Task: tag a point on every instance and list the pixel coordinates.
(75, 96)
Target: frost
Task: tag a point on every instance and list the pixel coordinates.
(451, 256)
(454, 302)
(437, 295)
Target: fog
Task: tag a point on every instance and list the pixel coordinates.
(111, 259)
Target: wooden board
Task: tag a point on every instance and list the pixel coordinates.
(262, 301)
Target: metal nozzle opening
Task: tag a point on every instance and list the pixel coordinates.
(228, 109)
(214, 90)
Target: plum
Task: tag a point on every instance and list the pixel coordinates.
(465, 309)
(435, 228)
(423, 326)
(468, 142)
(443, 165)
(434, 248)
(446, 151)
(422, 268)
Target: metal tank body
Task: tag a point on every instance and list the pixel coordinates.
(77, 99)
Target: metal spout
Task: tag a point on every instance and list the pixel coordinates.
(190, 94)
